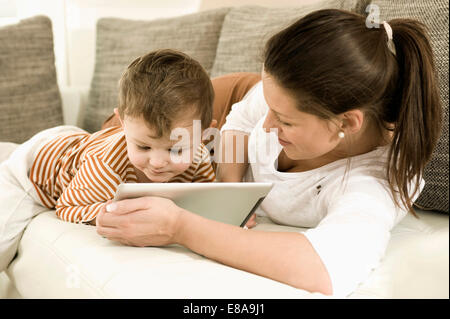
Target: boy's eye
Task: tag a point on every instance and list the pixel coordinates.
(176, 151)
(144, 148)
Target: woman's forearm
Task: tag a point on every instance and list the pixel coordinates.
(284, 257)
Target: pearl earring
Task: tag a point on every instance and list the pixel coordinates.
(341, 134)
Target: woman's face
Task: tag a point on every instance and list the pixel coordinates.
(303, 136)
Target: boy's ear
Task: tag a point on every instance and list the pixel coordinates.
(116, 112)
(206, 134)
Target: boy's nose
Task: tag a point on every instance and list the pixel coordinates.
(158, 163)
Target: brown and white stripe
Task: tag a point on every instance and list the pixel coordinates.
(200, 171)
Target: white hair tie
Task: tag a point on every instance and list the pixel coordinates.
(390, 42)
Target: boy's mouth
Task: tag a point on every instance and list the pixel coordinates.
(156, 172)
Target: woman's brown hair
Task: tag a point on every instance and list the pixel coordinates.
(332, 63)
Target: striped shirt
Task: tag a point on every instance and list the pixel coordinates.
(76, 173)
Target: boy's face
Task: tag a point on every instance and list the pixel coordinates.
(159, 159)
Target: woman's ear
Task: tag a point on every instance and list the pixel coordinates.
(352, 121)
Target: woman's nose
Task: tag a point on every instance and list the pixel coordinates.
(269, 123)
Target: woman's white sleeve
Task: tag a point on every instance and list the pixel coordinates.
(245, 114)
(353, 237)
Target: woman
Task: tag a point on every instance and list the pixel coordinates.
(351, 116)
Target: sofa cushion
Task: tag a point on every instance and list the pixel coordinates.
(120, 41)
(6, 149)
(246, 30)
(29, 95)
(434, 14)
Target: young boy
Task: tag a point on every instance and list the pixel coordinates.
(76, 173)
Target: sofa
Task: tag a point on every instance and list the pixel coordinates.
(57, 259)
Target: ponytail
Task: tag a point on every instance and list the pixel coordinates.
(419, 116)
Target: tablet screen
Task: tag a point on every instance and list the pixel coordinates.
(230, 203)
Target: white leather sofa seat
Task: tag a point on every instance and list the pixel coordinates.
(57, 259)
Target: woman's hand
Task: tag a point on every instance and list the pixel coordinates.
(251, 222)
(145, 221)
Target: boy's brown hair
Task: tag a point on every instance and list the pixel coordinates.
(163, 86)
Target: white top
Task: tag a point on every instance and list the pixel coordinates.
(349, 210)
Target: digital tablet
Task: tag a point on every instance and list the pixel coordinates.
(231, 203)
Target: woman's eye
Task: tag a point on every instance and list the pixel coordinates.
(284, 123)
(281, 122)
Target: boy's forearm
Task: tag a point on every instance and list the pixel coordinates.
(85, 214)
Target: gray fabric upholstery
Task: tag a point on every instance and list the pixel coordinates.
(361, 6)
(434, 14)
(246, 30)
(120, 41)
(29, 95)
